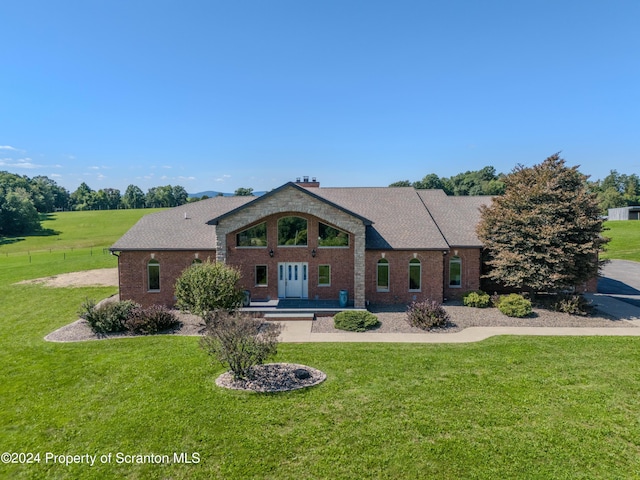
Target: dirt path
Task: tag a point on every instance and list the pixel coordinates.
(107, 277)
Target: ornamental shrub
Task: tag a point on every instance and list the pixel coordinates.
(206, 287)
(477, 299)
(109, 317)
(514, 305)
(573, 304)
(154, 319)
(239, 341)
(355, 320)
(427, 314)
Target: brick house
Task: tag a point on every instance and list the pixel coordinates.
(382, 245)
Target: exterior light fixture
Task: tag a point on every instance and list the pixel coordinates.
(271, 253)
(313, 253)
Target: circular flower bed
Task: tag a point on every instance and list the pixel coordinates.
(274, 377)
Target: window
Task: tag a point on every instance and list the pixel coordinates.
(196, 261)
(255, 236)
(153, 275)
(261, 275)
(383, 275)
(415, 271)
(332, 237)
(455, 272)
(292, 231)
(324, 275)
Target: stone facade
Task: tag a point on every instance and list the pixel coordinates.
(292, 201)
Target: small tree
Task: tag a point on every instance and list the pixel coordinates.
(240, 342)
(545, 231)
(207, 287)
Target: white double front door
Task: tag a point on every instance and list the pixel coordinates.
(293, 280)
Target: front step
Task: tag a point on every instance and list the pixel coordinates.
(285, 317)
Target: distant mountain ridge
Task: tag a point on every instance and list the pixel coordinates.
(210, 194)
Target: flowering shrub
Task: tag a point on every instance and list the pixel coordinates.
(427, 314)
(154, 319)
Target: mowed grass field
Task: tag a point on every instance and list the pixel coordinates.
(625, 240)
(508, 407)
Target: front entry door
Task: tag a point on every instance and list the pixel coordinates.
(293, 280)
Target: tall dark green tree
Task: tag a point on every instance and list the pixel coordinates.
(544, 233)
(133, 197)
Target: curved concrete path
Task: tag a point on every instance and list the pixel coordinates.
(619, 296)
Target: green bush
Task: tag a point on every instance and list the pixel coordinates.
(514, 305)
(355, 320)
(573, 304)
(206, 287)
(110, 317)
(477, 299)
(427, 314)
(239, 341)
(154, 319)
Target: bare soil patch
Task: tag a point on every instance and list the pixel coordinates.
(102, 277)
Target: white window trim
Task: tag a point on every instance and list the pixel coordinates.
(378, 287)
(419, 265)
(324, 284)
(255, 272)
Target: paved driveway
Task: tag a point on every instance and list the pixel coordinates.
(621, 279)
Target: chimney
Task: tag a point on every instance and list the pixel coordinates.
(306, 183)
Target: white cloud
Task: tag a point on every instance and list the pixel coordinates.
(186, 178)
(19, 163)
(167, 166)
(222, 178)
(94, 168)
(7, 147)
(55, 175)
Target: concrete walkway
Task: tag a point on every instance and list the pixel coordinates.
(300, 331)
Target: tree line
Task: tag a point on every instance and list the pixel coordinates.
(616, 190)
(24, 199)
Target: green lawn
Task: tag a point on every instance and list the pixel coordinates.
(625, 240)
(509, 407)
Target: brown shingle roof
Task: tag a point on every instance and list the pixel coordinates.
(400, 220)
(170, 230)
(396, 218)
(457, 217)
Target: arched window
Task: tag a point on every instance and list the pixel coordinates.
(415, 275)
(455, 272)
(153, 275)
(292, 231)
(382, 273)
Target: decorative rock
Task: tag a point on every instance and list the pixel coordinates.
(274, 377)
(301, 373)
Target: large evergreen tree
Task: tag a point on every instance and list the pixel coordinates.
(545, 231)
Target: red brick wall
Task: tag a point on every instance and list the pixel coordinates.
(132, 270)
(431, 277)
(470, 258)
(246, 258)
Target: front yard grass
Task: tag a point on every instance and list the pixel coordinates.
(625, 240)
(509, 407)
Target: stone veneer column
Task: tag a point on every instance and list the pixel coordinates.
(359, 268)
(221, 246)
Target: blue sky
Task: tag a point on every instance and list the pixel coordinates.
(218, 95)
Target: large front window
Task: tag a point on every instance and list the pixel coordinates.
(331, 237)
(292, 231)
(255, 236)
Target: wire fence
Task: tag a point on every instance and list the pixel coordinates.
(56, 254)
